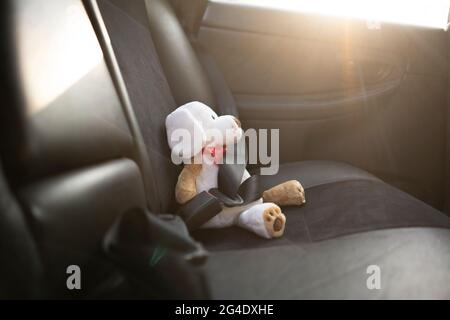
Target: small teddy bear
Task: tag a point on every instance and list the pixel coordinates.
(199, 137)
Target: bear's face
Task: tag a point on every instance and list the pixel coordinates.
(195, 126)
(223, 131)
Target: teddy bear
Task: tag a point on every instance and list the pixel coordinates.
(198, 138)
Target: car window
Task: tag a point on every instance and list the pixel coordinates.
(426, 13)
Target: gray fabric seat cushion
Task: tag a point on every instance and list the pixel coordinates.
(148, 89)
(341, 199)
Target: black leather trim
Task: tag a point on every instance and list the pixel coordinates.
(70, 214)
(414, 264)
(21, 266)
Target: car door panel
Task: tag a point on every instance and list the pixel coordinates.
(338, 89)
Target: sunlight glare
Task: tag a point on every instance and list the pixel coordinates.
(55, 53)
(426, 13)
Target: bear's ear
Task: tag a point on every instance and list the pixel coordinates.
(185, 134)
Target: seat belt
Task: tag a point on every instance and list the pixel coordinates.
(205, 205)
(225, 103)
(230, 193)
(199, 210)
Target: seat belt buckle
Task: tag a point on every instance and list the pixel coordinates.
(199, 210)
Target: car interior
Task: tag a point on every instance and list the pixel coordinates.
(86, 176)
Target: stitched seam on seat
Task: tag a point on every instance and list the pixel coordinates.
(307, 228)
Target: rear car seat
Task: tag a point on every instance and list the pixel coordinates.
(79, 166)
(156, 60)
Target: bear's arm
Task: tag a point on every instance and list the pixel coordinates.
(186, 188)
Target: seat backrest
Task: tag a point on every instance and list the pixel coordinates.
(149, 92)
(161, 71)
(191, 71)
(184, 72)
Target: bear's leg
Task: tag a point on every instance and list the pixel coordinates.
(286, 194)
(266, 220)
